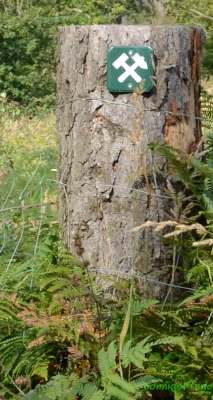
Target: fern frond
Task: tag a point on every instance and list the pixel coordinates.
(98, 395)
(76, 387)
(126, 352)
(117, 393)
(143, 381)
(111, 353)
(198, 270)
(140, 305)
(115, 379)
(207, 108)
(106, 361)
(91, 392)
(69, 292)
(38, 394)
(7, 309)
(57, 387)
(55, 307)
(60, 283)
(173, 156)
(34, 361)
(8, 344)
(168, 340)
(41, 368)
(136, 354)
(198, 294)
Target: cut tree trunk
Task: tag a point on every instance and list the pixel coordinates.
(110, 181)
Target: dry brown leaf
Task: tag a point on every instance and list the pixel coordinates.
(23, 381)
(36, 342)
(75, 352)
(86, 326)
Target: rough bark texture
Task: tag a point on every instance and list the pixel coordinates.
(103, 143)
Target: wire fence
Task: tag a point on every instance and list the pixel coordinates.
(37, 182)
(114, 103)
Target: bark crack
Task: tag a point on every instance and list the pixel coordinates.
(116, 160)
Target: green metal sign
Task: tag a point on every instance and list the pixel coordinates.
(128, 66)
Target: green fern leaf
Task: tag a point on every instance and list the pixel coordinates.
(106, 364)
(55, 307)
(91, 392)
(137, 360)
(58, 284)
(56, 388)
(117, 393)
(115, 379)
(198, 294)
(143, 381)
(38, 394)
(99, 395)
(77, 388)
(138, 306)
(168, 340)
(6, 311)
(125, 354)
(41, 368)
(136, 354)
(111, 354)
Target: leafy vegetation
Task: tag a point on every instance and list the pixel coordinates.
(28, 36)
(194, 13)
(29, 29)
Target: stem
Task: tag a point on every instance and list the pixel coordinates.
(97, 307)
(14, 384)
(131, 323)
(201, 14)
(8, 391)
(174, 266)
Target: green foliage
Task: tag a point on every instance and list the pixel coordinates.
(52, 314)
(28, 35)
(192, 12)
(28, 193)
(208, 186)
(207, 111)
(113, 386)
(179, 171)
(27, 54)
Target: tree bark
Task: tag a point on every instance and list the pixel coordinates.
(110, 181)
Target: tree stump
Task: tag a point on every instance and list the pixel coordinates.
(110, 181)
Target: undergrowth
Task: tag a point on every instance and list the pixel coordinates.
(61, 336)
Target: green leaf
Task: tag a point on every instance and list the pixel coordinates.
(178, 395)
(192, 350)
(155, 357)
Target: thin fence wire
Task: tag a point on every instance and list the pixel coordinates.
(114, 103)
(110, 272)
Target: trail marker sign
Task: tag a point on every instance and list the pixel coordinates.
(128, 66)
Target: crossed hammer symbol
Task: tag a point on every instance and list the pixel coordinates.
(130, 70)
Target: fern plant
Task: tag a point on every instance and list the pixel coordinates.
(111, 385)
(49, 324)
